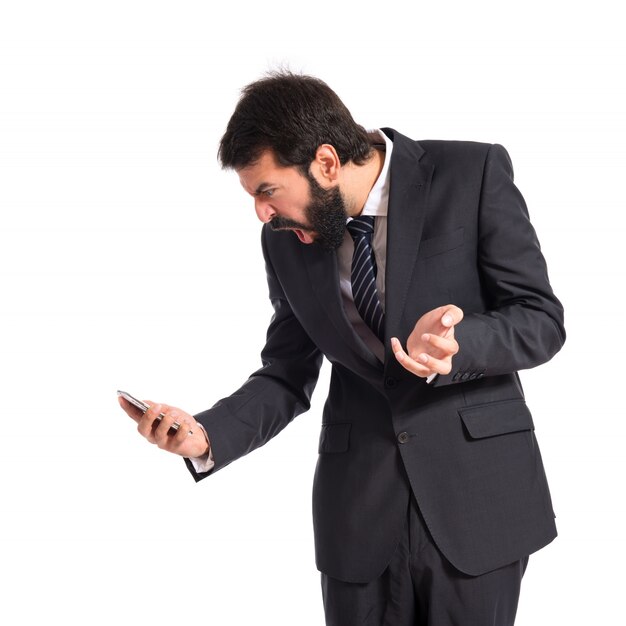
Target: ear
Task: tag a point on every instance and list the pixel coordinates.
(326, 166)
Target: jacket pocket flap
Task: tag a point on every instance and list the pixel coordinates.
(441, 243)
(335, 437)
(496, 418)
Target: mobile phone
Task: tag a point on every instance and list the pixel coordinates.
(144, 407)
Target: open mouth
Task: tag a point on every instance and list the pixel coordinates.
(302, 236)
(305, 236)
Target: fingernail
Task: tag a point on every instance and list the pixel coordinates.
(426, 337)
(423, 358)
(447, 319)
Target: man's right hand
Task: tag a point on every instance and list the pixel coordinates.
(159, 432)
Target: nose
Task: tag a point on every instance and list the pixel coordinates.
(263, 210)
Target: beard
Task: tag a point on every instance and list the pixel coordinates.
(326, 215)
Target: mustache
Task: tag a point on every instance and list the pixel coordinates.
(278, 223)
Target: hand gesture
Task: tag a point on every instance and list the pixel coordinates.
(160, 432)
(431, 344)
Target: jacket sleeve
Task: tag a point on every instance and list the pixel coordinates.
(273, 395)
(522, 325)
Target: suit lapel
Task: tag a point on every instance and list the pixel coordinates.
(323, 270)
(408, 196)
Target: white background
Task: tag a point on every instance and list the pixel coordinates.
(129, 259)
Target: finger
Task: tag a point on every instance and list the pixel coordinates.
(445, 346)
(407, 362)
(164, 407)
(452, 315)
(131, 410)
(166, 429)
(439, 366)
(183, 432)
(149, 422)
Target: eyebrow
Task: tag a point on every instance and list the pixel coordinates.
(262, 187)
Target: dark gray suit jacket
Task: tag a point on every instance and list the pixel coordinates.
(458, 232)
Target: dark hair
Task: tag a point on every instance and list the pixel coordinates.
(292, 115)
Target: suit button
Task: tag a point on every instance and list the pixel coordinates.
(465, 376)
(391, 382)
(456, 376)
(480, 375)
(473, 375)
(403, 437)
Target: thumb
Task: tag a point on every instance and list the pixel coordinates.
(452, 315)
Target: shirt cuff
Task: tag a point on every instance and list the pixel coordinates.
(205, 462)
(431, 378)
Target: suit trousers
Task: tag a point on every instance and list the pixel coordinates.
(420, 587)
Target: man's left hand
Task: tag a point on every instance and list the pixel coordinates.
(431, 345)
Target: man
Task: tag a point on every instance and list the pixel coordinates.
(429, 491)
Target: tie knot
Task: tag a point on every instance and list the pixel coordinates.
(361, 226)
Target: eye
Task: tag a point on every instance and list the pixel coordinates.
(268, 193)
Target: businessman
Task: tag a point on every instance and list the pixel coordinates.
(412, 266)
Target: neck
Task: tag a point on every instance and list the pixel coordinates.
(359, 180)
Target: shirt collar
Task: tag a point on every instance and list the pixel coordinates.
(378, 198)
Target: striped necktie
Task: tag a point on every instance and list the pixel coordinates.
(363, 276)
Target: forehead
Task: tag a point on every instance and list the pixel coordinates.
(268, 172)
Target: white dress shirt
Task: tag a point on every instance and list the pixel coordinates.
(376, 204)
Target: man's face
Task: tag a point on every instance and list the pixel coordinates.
(291, 201)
